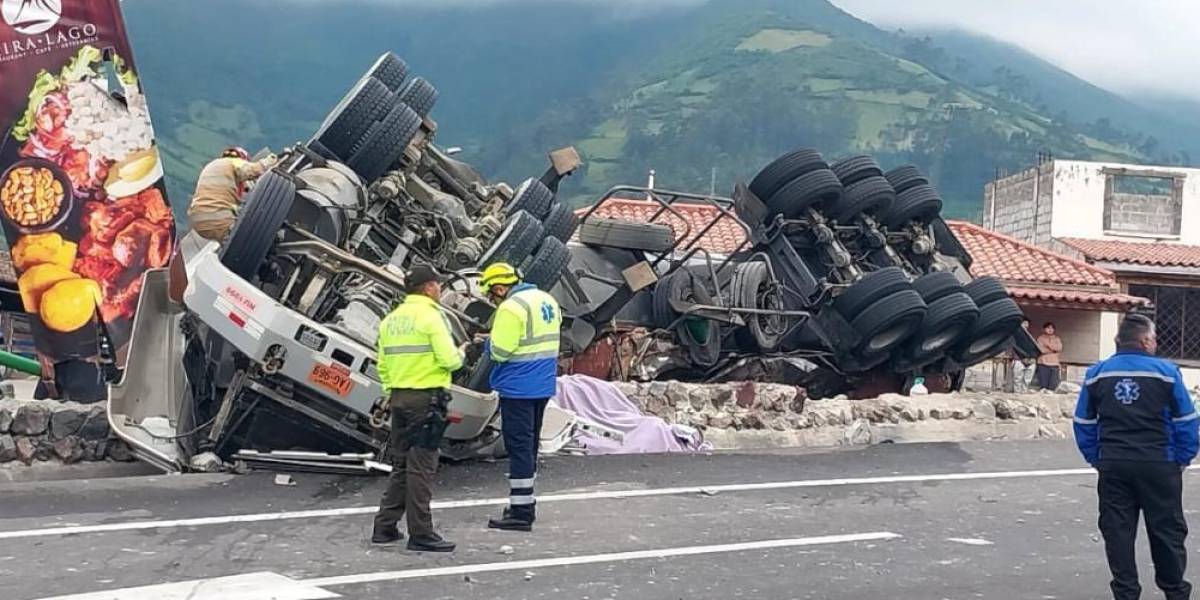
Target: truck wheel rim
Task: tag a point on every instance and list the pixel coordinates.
(941, 339)
(889, 337)
(986, 342)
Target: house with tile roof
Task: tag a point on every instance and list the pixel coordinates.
(1084, 301)
(1168, 274)
(1141, 223)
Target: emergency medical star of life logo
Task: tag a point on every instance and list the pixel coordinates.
(547, 312)
(31, 17)
(1127, 391)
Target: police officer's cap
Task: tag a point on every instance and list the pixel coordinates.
(420, 275)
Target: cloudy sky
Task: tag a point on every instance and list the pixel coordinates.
(1129, 46)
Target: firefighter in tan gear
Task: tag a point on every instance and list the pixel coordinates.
(417, 356)
(219, 191)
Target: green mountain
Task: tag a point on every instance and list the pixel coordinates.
(1169, 127)
(691, 92)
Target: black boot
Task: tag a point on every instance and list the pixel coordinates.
(386, 535)
(430, 543)
(513, 520)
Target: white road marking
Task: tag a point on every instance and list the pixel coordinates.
(567, 497)
(970, 541)
(521, 565)
(251, 586)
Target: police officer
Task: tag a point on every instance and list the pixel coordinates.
(524, 347)
(416, 357)
(1136, 425)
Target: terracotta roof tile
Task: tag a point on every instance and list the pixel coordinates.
(1015, 261)
(725, 237)
(1113, 300)
(1162, 254)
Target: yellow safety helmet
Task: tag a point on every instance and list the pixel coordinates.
(500, 273)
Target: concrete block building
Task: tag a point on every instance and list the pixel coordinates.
(1142, 223)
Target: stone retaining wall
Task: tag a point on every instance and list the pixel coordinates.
(734, 415)
(753, 415)
(48, 430)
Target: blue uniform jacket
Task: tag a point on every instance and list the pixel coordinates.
(524, 380)
(1135, 407)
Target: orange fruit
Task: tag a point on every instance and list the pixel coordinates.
(38, 248)
(70, 304)
(37, 279)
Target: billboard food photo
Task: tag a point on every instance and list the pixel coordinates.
(82, 200)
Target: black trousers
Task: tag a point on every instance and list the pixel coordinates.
(410, 487)
(1156, 491)
(1047, 377)
(521, 424)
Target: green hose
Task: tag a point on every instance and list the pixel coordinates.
(20, 363)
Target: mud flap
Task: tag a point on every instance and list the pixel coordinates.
(145, 406)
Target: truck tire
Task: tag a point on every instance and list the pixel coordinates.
(521, 235)
(679, 284)
(889, 322)
(390, 70)
(260, 219)
(628, 235)
(784, 169)
(750, 289)
(918, 203)
(815, 189)
(947, 321)
(419, 95)
(349, 122)
(905, 178)
(561, 222)
(533, 197)
(385, 143)
(869, 196)
(660, 302)
(869, 289)
(985, 290)
(996, 324)
(704, 351)
(545, 267)
(934, 286)
(854, 169)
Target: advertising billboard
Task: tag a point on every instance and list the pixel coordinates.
(82, 199)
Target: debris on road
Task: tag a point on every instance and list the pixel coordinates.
(970, 541)
(284, 480)
(207, 463)
(505, 550)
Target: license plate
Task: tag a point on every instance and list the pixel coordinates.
(333, 378)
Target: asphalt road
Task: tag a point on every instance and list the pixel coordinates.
(1002, 520)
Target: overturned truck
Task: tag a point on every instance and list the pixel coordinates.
(266, 342)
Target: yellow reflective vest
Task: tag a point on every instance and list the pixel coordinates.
(524, 344)
(416, 348)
